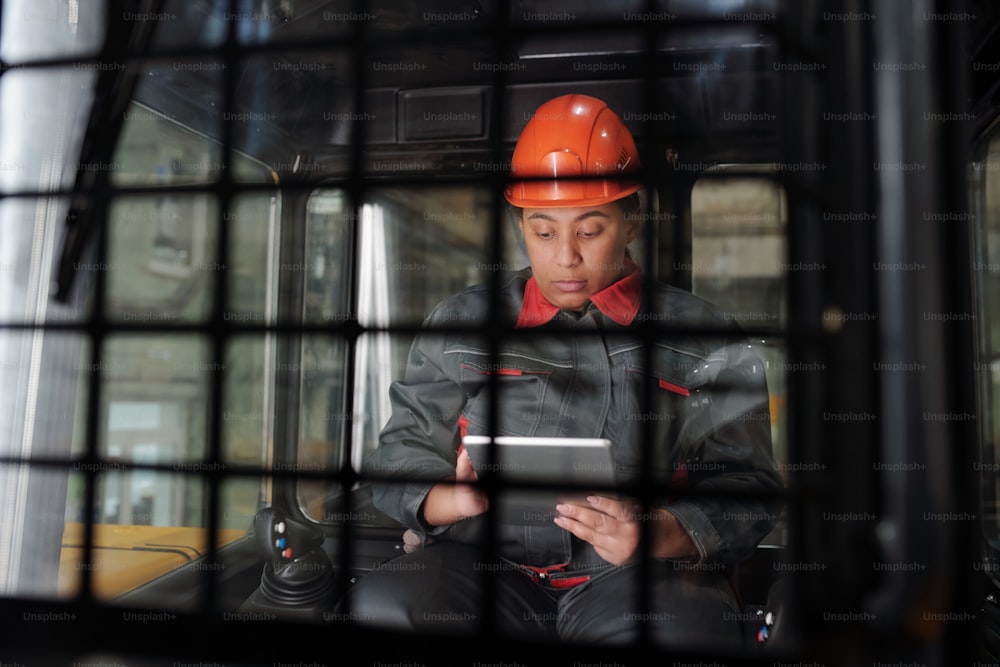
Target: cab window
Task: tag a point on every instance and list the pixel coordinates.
(739, 262)
(984, 178)
(153, 435)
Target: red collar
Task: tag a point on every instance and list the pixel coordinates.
(619, 301)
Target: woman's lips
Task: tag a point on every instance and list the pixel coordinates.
(570, 285)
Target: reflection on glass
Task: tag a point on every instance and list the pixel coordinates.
(161, 258)
(185, 24)
(738, 247)
(776, 366)
(288, 89)
(155, 150)
(986, 198)
(738, 262)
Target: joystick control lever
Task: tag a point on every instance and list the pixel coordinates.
(282, 540)
(297, 579)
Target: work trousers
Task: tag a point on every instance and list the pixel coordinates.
(450, 587)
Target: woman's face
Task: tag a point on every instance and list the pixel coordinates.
(576, 252)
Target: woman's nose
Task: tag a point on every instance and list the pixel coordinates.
(567, 253)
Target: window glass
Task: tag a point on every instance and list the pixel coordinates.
(290, 89)
(155, 150)
(155, 394)
(324, 421)
(253, 270)
(326, 266)
(43, 29)
(32, 526)
(47, 134)
(240, 498)
(248, 395)
(146, 524)
(25, 255)
(163, 249)
(385, 356)
(419, 246)
(263, 21)
(161, 264)
(416, 247)
(738, 247)
(985, 198)
(156, 406)
(739, 263)
(320, 366)
(182, 23)
(49, 368)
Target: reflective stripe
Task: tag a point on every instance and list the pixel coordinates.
(541, 575)
(676, 388)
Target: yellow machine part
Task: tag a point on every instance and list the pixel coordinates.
(125, 557)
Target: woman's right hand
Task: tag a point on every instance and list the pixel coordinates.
(447, 503)
(470, 500)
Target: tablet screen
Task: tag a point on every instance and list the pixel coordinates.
(575, 463)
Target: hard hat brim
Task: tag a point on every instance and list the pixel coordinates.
(568, 193)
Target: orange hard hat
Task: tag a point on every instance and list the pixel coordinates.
(569, 141)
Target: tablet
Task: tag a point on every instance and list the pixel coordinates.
(568, 461)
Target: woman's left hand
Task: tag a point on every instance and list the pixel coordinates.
(611, 526)
(614, 528)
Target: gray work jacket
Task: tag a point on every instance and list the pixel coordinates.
(707, 421)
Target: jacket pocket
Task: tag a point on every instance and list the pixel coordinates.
(662, 393)
(521, 384)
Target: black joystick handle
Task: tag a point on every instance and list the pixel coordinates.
(298, 577)
(282, 540)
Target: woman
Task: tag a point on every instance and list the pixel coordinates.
(687, 414)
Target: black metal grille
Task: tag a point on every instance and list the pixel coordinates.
(507, 33)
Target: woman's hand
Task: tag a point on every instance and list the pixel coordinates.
(447, 503)
(470, 500)
(614, 528)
